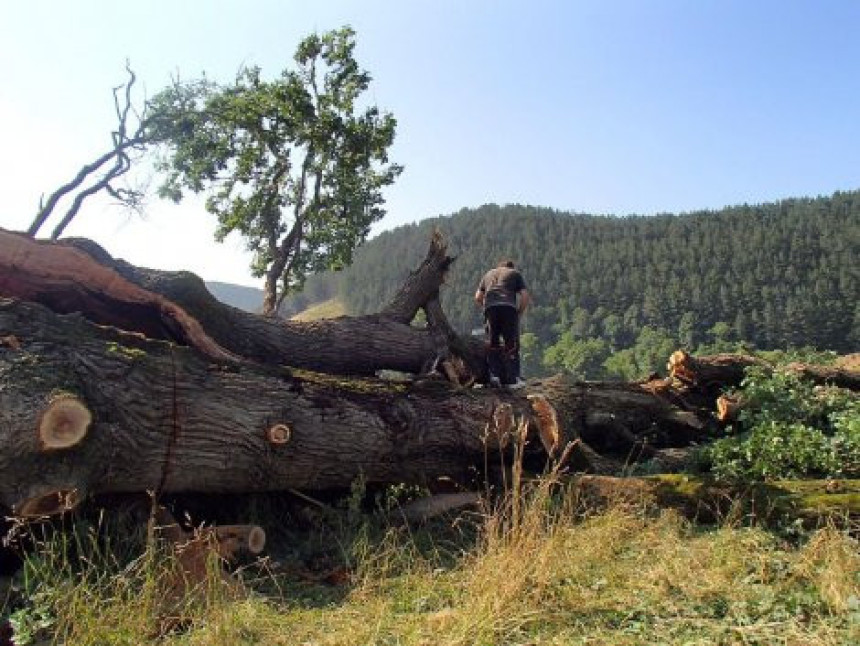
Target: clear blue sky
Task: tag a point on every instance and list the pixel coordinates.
(594, 106)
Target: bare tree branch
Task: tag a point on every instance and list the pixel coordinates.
(123, 143)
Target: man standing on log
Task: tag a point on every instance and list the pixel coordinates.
(497, 294)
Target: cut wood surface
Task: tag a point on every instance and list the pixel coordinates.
(69, 280)
(166, 418)
(721, 371)
(713, 373)
(77, 275)
(117, 379)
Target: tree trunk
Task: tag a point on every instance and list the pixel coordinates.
(184, 394)
(136, 414)
(79, 276)
(713, 373)
(826, 375)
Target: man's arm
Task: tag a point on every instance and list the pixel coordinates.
(525, 301)
(479, 297)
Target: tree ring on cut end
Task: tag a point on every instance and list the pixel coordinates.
(256, 540)
(63, 423)
(279, 434)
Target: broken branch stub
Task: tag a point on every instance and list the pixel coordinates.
(279, 434)
(51, 503)
(238, 539)
(546, 418)
(63, 423)
(728, 408)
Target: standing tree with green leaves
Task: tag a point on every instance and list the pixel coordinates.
(293, 164)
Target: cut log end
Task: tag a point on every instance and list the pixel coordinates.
(233, 540)
(548, 426)
(256, 540)
(63, 423)
(679, 365)
(728, 408)
(52, 503)
(279, 434)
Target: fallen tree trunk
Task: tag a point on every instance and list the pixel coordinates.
(827, 375)
(79, 276)
(718, 372)
(184, 394)
(91, 409)
(712, 378)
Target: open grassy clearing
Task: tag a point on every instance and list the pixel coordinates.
(539, 570)
(329, 309)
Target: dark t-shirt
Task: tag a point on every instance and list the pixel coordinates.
(501, 286)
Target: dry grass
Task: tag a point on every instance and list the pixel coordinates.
(326, 310)
(542, 571)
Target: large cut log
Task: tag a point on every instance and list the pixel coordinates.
(92, 409)
(827, 375)
(713, 373)
(79, 276)
(710, 380)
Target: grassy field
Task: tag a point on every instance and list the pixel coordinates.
(538, 569)
(326, 310)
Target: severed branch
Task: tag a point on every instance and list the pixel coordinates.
(124, 142)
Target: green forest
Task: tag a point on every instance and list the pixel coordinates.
(613, 296)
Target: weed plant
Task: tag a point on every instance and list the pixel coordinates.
(789, 428)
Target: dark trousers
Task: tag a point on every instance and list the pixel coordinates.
(503, 324)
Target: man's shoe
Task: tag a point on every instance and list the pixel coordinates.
(519, 383)
(494, 382)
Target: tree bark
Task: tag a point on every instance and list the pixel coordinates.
(79, 276)
(167, 418)
(827, 376)
(712, 373)
(118, 379)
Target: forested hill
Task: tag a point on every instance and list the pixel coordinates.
(774, 275)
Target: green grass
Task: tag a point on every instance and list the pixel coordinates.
(539, 569)
(326, 310)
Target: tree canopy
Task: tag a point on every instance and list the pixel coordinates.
(293, 164)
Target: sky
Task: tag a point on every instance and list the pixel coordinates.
(592, 106)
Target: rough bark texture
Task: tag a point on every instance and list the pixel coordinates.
(166, 418)
(834, 376)
(184, 394)
(68, 280)
(79, 276)
(712, 373)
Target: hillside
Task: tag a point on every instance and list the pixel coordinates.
(249, 299)
(774, 275)
(318, 289)
(324, 310)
